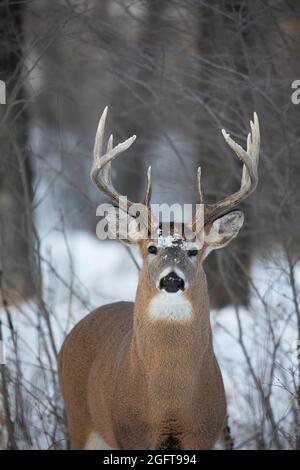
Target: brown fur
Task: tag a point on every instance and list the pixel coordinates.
(148, 383)
(143, 384)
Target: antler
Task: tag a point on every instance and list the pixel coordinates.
(249, 177)
(101, 169)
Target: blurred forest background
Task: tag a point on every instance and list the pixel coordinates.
(173, 73)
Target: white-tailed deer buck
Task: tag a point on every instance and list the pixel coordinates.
(143, 375)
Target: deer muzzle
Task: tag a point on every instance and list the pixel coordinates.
(171, 283)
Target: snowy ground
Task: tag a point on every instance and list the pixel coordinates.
(270, 321)
(99, 272)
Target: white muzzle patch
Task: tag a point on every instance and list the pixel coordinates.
(170, 307)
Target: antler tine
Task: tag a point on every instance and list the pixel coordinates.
(101, 168)
(255, 138)
(99, 135)
(241, 153)
(106, 171)
(251, 156)
(148, 192)
(200, 200)
(249, 178)
(200, 193)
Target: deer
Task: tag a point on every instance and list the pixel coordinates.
(144, 375)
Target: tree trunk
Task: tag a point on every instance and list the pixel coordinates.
(15, 175)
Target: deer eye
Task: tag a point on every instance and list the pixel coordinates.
(152, 249)
(192, 252)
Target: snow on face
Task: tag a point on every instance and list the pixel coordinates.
(175, 240)
(168, 241)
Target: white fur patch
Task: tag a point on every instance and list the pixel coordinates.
(95, 442)
(170, 306)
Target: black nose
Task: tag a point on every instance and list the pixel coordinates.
(171, 283)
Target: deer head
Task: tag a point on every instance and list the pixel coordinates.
(171, 262)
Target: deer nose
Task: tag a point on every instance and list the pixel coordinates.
(171, 283)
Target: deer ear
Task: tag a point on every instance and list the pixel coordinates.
(223, 230)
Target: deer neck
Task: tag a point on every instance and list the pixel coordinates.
(177, 347)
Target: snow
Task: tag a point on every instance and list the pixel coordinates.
(99, 272)
(167, 242)
(270, 318)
